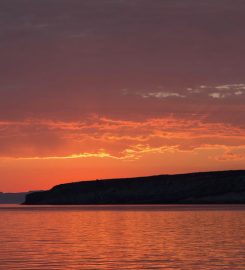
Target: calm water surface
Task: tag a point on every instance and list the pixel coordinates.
(122, 237)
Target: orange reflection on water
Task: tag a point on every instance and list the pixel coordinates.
(117, 237)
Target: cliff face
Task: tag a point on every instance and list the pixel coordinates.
(208, 187)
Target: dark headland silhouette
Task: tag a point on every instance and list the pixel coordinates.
(193, 188)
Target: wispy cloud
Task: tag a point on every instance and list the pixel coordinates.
(232, 154)
(219, 95)
(236, 86)
(209, 91)
(162, 94)
(222, 91)
(101, 154)
(102, 137)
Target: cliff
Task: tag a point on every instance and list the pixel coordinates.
(208, 187)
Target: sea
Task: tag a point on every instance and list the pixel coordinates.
(170, 237)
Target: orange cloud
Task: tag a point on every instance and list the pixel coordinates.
(104, 137)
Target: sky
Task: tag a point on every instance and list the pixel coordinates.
(97, 89)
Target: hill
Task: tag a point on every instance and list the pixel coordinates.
(197, 188)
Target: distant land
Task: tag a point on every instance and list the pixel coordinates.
(224, 187)
(12, 198)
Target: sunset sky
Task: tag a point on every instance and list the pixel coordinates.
(116, 88)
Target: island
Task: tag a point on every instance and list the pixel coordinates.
(221, 187)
